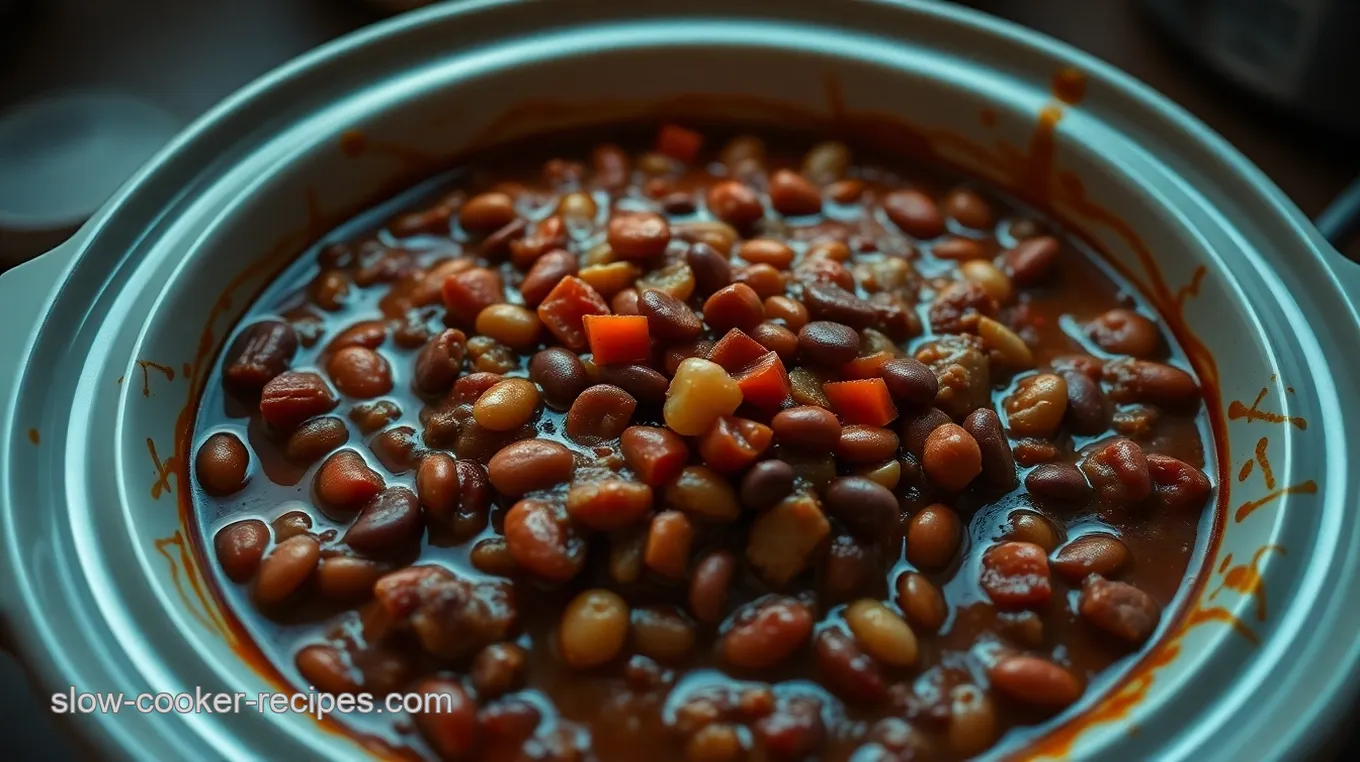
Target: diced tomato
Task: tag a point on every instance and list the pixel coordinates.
(869, 366)
(765, 383)
(618, 338)
(565, 307)
(865, 401)
(735, 350)
(679, 143)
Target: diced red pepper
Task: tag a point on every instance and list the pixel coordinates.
(618, 338)
(565, 307)
(679, 143)
(765, 383)
(864, 402)
(736, 350)
(869, 366)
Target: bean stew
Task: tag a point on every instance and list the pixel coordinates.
(718, 448)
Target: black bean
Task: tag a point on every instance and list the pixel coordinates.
(827, 343)
(647, 385)
(827, 301)
(1089, 411)
(768, 482)
(1057, 482)
(261, 352)
(865, 507)
(910, 380)
(916, 426)
(998, 464)
(389, 522)
(561, 374)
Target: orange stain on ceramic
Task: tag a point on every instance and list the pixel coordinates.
(164, 469)
(147, 366)
(1246, 470)
(183, 571)
(1246, 578)
(1192, 288)
(1246, 509)
(33, 436)
(1204, 614)
(1267, 472)
(987, 117)
(1239, 411)
(353, 142)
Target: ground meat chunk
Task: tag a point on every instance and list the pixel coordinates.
(451, 616)
(960, 364)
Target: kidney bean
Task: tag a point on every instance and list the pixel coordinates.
(498, 669)
(260, 352)
(542, 539)
(1119, 473)
(795, 730)
(390, 522)
(734, 306)
(469, 388)
(1179, 485)
(933, 537)
(561, 375)
(1125, 332)
(610, 504)
(708, 586)
(847, 670)
(968, 209)
(546, 272)
(325, 668)
(668, 318)
(1143, 381)
(711, 269)
(763, 279)
(765, 632)
(492, 555)
(314, 439)
(291, 397)
(851, 566)
(530, 464)
(767, 251)
(866, 508)
(917, 427)
(345, 481)
(291, 524)
(829, 344)
(397, 449)
(239, 547)
(593, 629)
(669, 540)
(866, 444)
(735, 203)
(449, 722)
(882, 632)
(286, 567)
(807, 426)
(600, 413)
(440, 361)
(437, 485)
(766, 483)
(921, 601)
(1031, 527)
(486, 212)
(972, 724)
(1101, 554)
(1030, 261)
(910, 380)
(1035, 682)
(782, 540)
(1015, 575)
(828, 301)
(915, 213)
(346, 579)
(957, 249)
(787, 311)
(1088, 409)
(1118, 608)
(625, 302)
(1058, 483)
(731, 444)
(639, 235)
(330, 290)
(1037, 406)
(951, 457)
(360, 372)
(792, 195)
(998, 465)
(662, 633)
(221, 464)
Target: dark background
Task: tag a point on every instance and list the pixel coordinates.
(186, 55)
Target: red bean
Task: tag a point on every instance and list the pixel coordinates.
(709, 584)
(600, 413)
(1058, 483)
(915, 213)
(847, 670)
(1015, 575)
(315, 439)
(221, 464)
(1035, 681)
(910, 381)
(793, 196)
(291, 398)
(638, 236)
(1177, 484)
(766, 483)
(239, 547)
(390, 522)
(668, 318)
(829, 344)
(449, 722)
(933, 537)
(286, 567)
(806, 425)
(1101, 554)
(530, 464)
(610, 504)
(765, 632)
(998, 465)
(258, 354)
(1125, 332)
(951, 457)
(345, 481)
(561, 375)
(1031, 260)
(865, 507)
(543, 541)
(1119, 473)
(712, 271)
(734, 203)
(734, 306)
(1119, 609)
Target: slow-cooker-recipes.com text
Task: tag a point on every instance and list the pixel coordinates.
(316, 704)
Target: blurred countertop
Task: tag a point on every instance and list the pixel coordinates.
(186, 56)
